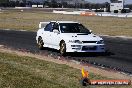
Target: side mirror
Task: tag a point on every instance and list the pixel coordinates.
(90, 31)
(56, 31)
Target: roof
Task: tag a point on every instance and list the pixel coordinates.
(65, 21)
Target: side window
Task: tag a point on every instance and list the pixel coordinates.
(56, 26)
(48, 27)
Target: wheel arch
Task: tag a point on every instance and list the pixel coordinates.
(38, 38)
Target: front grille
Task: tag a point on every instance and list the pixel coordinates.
(89, 41)
(89, 48)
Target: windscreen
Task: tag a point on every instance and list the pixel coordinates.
(73, 28)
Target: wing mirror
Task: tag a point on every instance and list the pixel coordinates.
(90, 31)
(56, 31)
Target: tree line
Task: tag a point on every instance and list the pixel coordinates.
(54, 4)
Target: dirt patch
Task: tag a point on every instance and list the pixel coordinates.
(71, 63)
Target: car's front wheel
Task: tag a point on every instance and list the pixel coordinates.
(62, 48)
(40, 43)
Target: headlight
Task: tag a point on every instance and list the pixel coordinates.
(100, 42)
(75, 41)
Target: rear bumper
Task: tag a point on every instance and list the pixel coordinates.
(70, 47)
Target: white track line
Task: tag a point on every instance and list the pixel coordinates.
(1, 45)
(123, 37)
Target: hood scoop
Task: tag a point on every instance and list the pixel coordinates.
(74, 36)
(94, 36)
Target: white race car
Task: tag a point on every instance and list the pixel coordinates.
(68, 36)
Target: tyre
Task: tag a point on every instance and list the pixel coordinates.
(40, 43)
(62, 48)
(85, 82)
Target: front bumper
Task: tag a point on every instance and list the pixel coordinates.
(73, 47)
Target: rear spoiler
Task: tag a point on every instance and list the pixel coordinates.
(43, 24)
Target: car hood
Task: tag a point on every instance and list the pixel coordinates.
(81, 37)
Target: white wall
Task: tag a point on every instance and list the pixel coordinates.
(117, 6)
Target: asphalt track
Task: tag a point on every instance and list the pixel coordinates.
(118, 57)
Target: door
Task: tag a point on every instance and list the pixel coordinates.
(47, 34)
(55, 36)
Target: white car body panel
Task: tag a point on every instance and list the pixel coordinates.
(52, 40)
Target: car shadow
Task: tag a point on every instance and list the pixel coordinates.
(89, 54)
(78, 54)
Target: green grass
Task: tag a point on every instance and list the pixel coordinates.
(26, 72)
(100, 25)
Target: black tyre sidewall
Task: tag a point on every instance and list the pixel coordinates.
(64, 50)
(40, 46)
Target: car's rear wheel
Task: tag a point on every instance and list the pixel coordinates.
(40, 43)
(62, 48)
